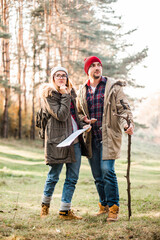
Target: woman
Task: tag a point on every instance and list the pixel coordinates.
(58, 101)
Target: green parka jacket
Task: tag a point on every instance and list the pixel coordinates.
(115, 101)
(59, 125)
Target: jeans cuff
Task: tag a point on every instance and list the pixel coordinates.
(46, 199)
(65, 206)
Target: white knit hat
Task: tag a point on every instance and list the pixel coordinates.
(56, 69)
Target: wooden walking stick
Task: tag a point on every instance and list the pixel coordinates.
(128, 165)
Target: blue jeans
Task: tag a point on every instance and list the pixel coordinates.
(72, 174)
(104, 175)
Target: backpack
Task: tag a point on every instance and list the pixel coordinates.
(41, 122)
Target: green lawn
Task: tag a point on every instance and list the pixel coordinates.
(22, 178)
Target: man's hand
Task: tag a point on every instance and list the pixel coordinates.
(129, 130)
(90, 121)
(86, 126)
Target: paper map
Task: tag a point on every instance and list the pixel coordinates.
(72, 137)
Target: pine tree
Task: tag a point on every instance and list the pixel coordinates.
(19, 50)
(5, 78)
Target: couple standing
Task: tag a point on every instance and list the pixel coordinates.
(98, 99)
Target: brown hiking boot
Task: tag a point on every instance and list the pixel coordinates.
(102, 209)
(113, 213)
(44, 210)
(68, 215)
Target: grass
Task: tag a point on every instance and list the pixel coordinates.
(22, 178)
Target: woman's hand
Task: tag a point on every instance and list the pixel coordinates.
(86, 126)
(63, 89)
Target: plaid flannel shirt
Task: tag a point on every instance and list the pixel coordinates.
(72, 111)
(95, 103)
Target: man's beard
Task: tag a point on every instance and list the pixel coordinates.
(96, 77)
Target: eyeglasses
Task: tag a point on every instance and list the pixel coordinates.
(59, 76)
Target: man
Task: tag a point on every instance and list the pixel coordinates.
(98, 100)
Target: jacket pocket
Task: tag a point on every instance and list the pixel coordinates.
(56, 153)
(56, 135)
(114, 141)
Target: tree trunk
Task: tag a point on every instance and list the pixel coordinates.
(47, 20)
(60, 33)
(24, 76)
(6, 67)
(68, 49)
(24, 85)
(20, 41)
(54, 32)
(32, 133)
(5, 115)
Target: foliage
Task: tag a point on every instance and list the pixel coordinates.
(49, 33)
(3, 33)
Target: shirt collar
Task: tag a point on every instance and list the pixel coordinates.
(103, 79)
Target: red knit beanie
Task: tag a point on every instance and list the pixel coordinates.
(88, 61)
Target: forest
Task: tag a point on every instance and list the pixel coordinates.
(38, 35)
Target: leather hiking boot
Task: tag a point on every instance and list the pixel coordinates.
(68, 215)
(44, 210)
(102, 209)
(113, 213)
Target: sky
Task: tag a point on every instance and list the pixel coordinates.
(143, 15)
